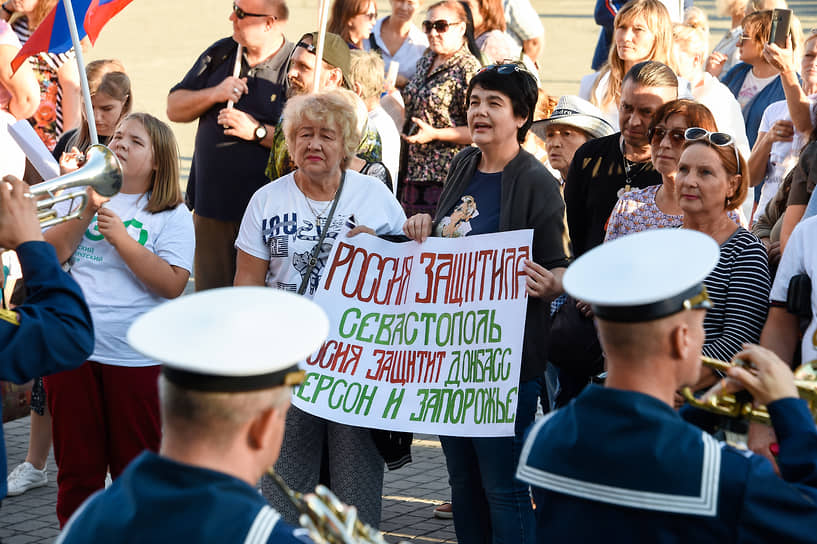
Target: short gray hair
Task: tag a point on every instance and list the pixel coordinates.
(337, 108)
(367, 70)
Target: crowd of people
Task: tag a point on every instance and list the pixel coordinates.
(671, 203)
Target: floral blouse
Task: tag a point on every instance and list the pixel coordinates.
(47, 120)
(636, 211)
(438, 98)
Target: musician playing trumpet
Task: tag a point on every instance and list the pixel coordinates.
(52, 330)
(225, 391)
(619, 462)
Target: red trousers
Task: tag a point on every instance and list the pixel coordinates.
(102, 417)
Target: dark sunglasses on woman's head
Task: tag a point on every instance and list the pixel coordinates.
(504, 69)
(657, 135)
(240, 13)
(440, 25)
(720, 139)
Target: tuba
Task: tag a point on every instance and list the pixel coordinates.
(328, 520)
(741, 406)
(100, 171)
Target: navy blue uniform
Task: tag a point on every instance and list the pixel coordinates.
(623, 466)
(160, 500)
(50, 333)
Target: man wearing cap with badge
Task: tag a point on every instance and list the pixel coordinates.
(52, 330)
(572, 123)
(619, 460)
(602, 169)
(335, 73)
(237, 105)
(224, 392)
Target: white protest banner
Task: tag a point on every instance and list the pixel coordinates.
(422, 337)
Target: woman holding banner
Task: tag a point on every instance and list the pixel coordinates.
(502, 187)
(286, 234)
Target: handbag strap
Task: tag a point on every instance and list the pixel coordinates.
(313, 256)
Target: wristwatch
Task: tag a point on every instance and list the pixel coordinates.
(260, 132)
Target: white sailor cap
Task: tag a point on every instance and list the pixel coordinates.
(644, 276)
(231, 339)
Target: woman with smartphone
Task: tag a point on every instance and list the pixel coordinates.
(755, 82)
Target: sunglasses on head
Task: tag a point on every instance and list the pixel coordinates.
(503, 69)
(657, 135)
(240, 13)
(440, 25)
(308, 46)
(720, 139)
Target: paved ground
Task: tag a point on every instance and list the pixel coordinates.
(158, 40)
(409, 496)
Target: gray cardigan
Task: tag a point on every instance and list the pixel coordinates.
(531, 199)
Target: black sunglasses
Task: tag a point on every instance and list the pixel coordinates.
(676, 135)
(440, 25)
(720, 139)
(240, 13)
(308, 46)
(503, 69)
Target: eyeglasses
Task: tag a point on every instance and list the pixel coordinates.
(744, 37)
(440, 25)
(720, 139)
(369, 16)
(657, 135)
(503, 69)
(240, 13)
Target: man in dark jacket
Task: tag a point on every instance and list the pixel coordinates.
(52, 331)
(604, 168)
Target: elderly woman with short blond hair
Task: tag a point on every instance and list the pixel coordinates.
(287, 223)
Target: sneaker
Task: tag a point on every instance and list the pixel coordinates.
(25, 477)
(444, 511)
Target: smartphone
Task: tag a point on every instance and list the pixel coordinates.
(781, 26)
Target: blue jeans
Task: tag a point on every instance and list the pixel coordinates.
(490, 504)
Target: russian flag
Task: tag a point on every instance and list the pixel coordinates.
(53, 34)
(99, 13)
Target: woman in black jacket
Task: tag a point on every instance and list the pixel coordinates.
(497, 186)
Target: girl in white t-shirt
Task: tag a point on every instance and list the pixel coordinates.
(128, 254)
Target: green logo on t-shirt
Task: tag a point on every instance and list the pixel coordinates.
(142, 234)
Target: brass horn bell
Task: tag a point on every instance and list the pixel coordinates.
(101, 171)
(730, 405)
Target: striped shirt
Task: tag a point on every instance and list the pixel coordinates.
(47, 120)
(739, 288)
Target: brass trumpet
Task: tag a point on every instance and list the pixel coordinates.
(100, 171)
(726, 404)
(328, 520)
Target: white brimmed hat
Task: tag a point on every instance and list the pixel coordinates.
(231, 339)
(576, 112)
(644, 276)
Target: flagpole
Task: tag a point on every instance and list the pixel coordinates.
(83, 77)
(322, 22)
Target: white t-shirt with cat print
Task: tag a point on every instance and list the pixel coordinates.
(280, 226)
